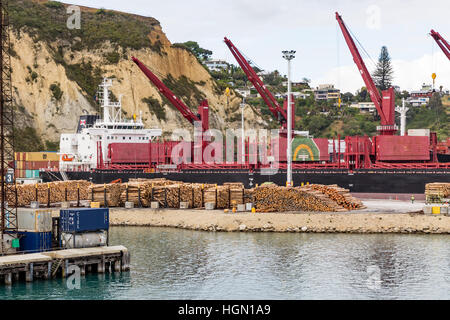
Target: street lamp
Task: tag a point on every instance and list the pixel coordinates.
(289, 55)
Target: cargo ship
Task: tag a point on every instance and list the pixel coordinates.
(110, 148)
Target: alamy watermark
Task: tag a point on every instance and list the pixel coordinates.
(374, 17)
(374, 278)
(73, 281)
(74, 20)
(215, 147)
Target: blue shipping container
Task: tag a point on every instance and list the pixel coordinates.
(32, 242)
(83, 220)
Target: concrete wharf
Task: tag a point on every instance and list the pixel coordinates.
(48, 265)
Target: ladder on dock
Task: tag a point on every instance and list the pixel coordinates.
(55, 267)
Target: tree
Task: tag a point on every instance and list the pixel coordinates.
(200, 53)
(362, 95)
(347, 97)
(384, 72)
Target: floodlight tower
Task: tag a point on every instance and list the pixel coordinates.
(289, 56)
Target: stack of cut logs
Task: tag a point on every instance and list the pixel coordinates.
(272, 198)
(170, 194)
(59, 192)
(438, 189)
(339, 195)
(107, 194)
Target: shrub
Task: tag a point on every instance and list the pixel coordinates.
(56, 91)
(155, 108)
(112, 57)
(54, 5)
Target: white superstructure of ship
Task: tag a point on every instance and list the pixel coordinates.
(81, 151)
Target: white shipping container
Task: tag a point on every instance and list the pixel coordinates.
(84, 240)
(419, 132)
(34, 220)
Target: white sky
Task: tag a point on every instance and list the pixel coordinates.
(261, 29)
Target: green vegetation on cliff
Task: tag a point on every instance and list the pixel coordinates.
(155, 108)
(48, 22)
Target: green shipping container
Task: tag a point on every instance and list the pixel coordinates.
(32, 174)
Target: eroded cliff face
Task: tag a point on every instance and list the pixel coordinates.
(53, 83)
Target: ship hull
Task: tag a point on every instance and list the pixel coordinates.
(363, 181)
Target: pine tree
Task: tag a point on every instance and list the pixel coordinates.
(384, 72)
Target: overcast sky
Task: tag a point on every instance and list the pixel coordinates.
(261, 29)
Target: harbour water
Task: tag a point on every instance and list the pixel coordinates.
(180, 264)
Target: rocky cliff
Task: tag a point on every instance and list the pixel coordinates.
(56, 71)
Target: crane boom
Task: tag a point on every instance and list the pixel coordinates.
(384, 103)
(278, 112)
(174, 100)
(442, 43)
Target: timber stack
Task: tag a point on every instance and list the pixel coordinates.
(340, 195)
(106, 194)
(272, 198)
(438, 189)
(171, 194)
(60, 191)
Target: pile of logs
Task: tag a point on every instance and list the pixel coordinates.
(340, 195)
(136, 192)
(170, 194)
(438, 189)
(60, 191)
(107, 194)
(314, 198)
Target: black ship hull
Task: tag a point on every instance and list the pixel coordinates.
(362, 181)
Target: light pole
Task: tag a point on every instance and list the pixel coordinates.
(243, 131)
(289, 55)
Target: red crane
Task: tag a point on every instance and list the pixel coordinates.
(384, 103)
(442, 43)
(203, 109)
(279, 113)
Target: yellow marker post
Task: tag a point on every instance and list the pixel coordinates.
(253, 210)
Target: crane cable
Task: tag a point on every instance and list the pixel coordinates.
(362, 47)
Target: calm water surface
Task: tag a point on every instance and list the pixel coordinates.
(178, 264)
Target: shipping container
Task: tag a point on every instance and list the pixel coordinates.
(42, 156)
(32, 242)
(19, 173)
(34, 220)
(83, 220)
(398, 148)
(419, 132)
(36, 165)
(84, 240)
(32, 174)
(130, 153)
